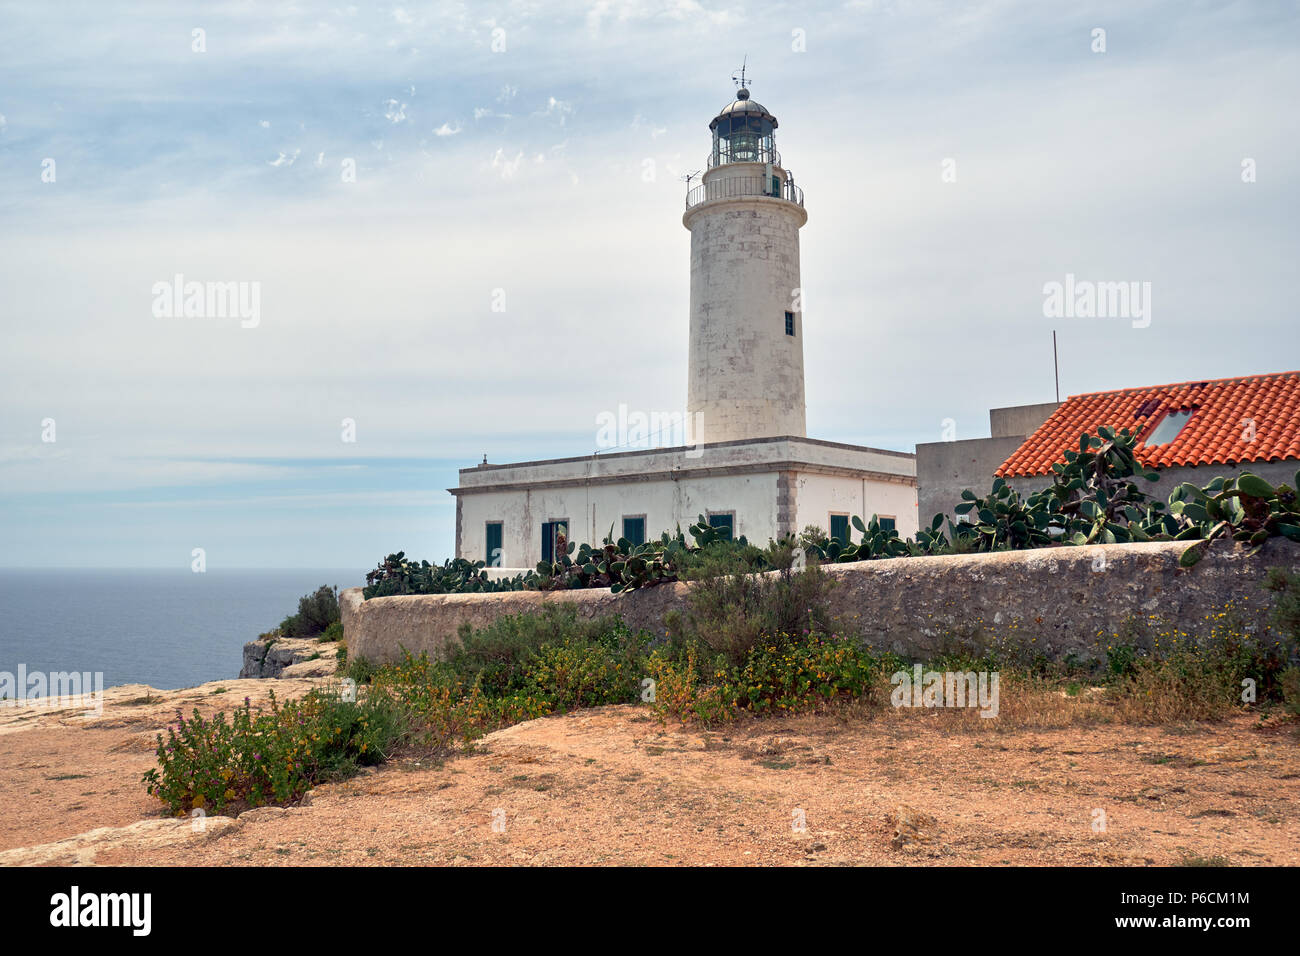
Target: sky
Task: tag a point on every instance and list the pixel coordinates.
(462, 223)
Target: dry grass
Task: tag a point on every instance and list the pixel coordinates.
(1026, 702)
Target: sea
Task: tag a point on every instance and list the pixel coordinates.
(166, 628)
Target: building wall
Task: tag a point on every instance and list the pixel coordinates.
(945, 468)
(745, 374)
(756, 500)
(591, 509)
(820, 495)
(1019, 420)
(770, 483)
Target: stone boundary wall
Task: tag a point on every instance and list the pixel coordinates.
(1061, 600)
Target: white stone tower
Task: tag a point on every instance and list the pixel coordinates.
(746, 348)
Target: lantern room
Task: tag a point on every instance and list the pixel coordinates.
(742, 133)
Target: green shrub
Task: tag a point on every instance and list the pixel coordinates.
(789, 676)
(333, 633)
(268, 756)
(720, 558)
(396, 575)
(686, 689)
(1289, 681)
(316, 612)
(1121, 660)
(497, 657)
(782, 674)
(731, 614)
(1161, 674)
(1285, 615)
(580, 673)
(357, 668)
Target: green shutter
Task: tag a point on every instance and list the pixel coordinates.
(634, 530)
(840, 528)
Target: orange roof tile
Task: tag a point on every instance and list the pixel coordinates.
(1218, 431)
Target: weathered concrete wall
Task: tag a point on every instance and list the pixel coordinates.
(1017, 421)
(945, 468)
(745, 374)
(379, 629)
(820, 496)
(1060, 600)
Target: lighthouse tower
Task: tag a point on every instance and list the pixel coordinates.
(762, 476)
(746, 338)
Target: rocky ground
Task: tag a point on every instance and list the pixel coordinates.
(614, 786)
(289, 657)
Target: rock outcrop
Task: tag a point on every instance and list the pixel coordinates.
(289, 657)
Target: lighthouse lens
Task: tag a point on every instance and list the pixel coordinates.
(744, 149)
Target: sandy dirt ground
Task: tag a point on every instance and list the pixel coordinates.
(614, 786)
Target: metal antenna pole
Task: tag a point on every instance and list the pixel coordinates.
(1056, 366)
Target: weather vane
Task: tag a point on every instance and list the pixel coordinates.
(739, 78)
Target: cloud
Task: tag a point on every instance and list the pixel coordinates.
(639, 122)
(558, 108)
(394, 112)
(285, 159)
(446, 129)
(506, 167)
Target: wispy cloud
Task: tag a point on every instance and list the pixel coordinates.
(394, 111)
(504, 165)
(556, 108)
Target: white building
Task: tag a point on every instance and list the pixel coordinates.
(745, 461)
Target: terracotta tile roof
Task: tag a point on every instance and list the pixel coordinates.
(1216, 433)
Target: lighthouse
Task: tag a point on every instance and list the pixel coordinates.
(748, 466)
(745, 354)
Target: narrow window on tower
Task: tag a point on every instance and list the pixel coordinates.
(789, 323)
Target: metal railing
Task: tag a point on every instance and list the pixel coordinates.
(744, 186)
(741, 152)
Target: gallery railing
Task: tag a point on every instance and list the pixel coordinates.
(774, 188)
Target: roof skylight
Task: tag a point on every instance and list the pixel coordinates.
(1169, 428)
